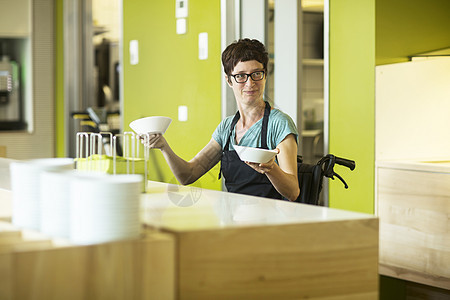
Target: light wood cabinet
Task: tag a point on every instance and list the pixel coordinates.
(413, 205)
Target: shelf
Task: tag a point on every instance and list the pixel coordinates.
(313, 8)
(307, 5)
(312, 62)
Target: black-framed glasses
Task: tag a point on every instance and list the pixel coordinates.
(242, 78)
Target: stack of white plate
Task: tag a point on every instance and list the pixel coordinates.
(25, 186)
(55, 203)
(104, 208)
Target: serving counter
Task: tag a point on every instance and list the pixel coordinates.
(204, 244)
(231, 245)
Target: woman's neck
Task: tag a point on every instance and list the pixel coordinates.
(250, 114)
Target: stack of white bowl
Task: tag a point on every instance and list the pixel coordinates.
(55, 203)
(104, 208)
(26, 185)
(85, 207)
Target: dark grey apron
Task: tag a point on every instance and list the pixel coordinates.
(241, 178)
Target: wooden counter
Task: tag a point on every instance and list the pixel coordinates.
(203, 244)
(231, 246)
(413, 204)
(32, 266)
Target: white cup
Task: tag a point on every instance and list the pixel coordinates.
(25, 186)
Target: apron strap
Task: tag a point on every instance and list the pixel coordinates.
(227, 144)
(233, 123)
(265, 121)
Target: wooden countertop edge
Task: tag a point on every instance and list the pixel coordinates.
(414, 276)
(368, 221)
(19, 241)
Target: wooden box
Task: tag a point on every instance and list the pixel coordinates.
(35, 267)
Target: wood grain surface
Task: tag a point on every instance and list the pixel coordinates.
(323, 260)
(131, 269)
(414, 212)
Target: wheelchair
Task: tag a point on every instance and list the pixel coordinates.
(310, 176)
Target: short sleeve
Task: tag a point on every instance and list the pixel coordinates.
(280, 126)
(221, 133)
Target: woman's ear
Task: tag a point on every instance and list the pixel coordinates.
(227, 78)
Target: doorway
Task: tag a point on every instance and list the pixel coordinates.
(311, 79)
(92, 68)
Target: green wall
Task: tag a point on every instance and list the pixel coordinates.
(170, 74)
(352, 98)
(59, 81)
(408, 27)
(364, 34)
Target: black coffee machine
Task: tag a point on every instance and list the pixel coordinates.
(11, 115)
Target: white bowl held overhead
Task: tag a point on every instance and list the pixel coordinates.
(255, 155)
(155, 124)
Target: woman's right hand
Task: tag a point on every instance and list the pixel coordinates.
(154, 141)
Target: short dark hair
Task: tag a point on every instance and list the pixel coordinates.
(244, 50)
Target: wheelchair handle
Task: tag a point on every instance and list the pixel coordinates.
(345, 162)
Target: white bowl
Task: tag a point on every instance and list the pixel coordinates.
(26, 188)
(255, 155)
(151, 125)
(104, 207)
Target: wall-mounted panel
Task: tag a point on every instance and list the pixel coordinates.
(412, 105)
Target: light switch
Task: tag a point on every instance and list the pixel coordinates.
(203, 45)
(134, 52)
(181, 8)
(182, 113)
(181, 26)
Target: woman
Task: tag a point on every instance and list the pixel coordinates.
(255, 124)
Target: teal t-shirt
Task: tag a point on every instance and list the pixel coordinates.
(280, 125)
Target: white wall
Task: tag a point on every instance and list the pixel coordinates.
(254, 19)
(288, 45)
(412, 110)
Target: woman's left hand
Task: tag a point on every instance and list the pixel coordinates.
(263, 168)
(154, 141)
